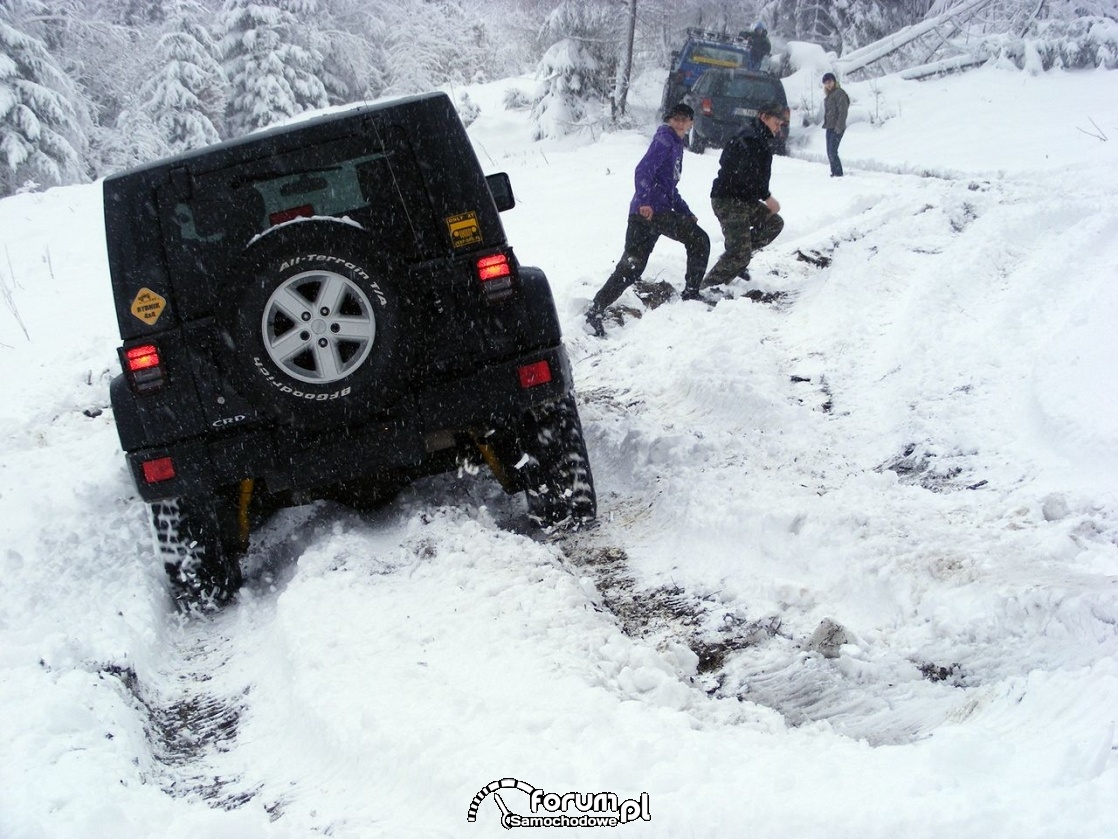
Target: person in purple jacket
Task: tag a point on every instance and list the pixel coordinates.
(657, 209)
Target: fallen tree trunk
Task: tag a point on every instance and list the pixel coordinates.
(870, 53)
(945, 65)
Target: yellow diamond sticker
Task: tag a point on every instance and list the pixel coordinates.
(464, 229)
(148, 306)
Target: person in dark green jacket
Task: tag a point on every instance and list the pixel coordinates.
(740, 196)
(835, 108)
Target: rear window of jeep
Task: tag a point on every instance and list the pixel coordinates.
(379, 188)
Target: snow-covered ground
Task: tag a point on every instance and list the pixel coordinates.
(857, 567)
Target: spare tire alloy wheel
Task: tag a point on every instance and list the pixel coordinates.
(318, 327)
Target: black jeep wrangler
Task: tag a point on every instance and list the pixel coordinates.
(329, 310)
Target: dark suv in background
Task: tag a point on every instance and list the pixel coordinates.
(724, 99)
(329, 310)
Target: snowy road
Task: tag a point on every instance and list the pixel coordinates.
(856, 572)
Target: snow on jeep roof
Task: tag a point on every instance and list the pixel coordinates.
(297, 124)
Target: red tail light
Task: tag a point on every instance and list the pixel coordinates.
(493, 267)
(532, 375)
(707, 106)
(495, 273)
(144, 367)
(160, 469)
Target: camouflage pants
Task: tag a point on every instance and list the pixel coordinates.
(747, 227)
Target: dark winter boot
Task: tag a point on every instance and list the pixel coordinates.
(594, 321)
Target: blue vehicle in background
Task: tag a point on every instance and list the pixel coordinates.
(703, 50)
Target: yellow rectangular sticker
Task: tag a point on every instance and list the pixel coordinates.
(464, 229)
(717, 62)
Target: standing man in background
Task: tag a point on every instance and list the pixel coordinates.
(836, 105)
(657, 209)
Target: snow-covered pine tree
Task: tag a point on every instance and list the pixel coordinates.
(429, 43)
(271, 74)
(350, 40)
(186, 98)
(133, 139)
(143, 12)
(41, 139)
(1038, 36)
(577, 72)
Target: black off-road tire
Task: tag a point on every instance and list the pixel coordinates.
(696, 142)
(199, 550)
(314, 329)
(673, 95)
(560, 485)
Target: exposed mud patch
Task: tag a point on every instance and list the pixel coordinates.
(826, 399)
(934, 471)
(819, 260)
(825, 675)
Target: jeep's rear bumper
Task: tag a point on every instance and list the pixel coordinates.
(287, 458)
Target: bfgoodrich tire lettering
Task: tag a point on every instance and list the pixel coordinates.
(314, 332)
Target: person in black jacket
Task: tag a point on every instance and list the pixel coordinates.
(740, 196)
(759, 46)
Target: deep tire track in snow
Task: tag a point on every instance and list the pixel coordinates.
(870, 692)
(186, 721)
(191, 709)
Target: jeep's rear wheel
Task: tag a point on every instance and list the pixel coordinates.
(199, 552)
(560, 486)
(696, 142)
(314, 333)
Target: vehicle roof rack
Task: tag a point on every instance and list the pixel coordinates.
(695, 32)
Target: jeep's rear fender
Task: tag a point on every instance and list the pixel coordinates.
(165, 413)
(540, 317)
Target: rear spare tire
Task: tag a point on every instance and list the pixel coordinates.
(314, 332)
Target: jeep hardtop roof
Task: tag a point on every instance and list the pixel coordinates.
(713, 49)
(287, 135)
